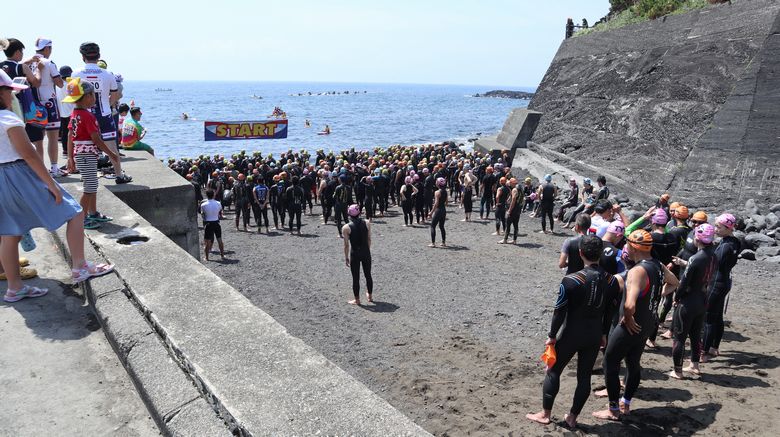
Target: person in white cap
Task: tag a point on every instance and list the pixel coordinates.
(106, 94)
(47, 96)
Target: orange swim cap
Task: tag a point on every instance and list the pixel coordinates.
(489, 169)
(700, 216)
(682, 212)
(641, 240)
(674, 205)
(502, 181)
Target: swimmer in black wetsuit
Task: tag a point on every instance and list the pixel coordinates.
(467, 200)
(439, 213)
(726, 253)
(513, 213)
(502, 196)
(637, 315)
(357, 252)
(584, 303)
(406, 194)
(342, 198)
(570, 251)
(691, 300)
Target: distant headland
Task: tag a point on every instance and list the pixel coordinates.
(503, 94)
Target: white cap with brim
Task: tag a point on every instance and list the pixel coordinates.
(42, 43)
(5, 80)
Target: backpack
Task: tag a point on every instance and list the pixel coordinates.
(33, 112)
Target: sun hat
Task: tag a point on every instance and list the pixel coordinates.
(76, 89)
(5, 80)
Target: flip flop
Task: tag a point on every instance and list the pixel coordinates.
(26, 291)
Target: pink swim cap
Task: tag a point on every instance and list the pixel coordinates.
(727, 220)
(408, 180)
(416, 178)
(705, 233)
(617, 227)
(441, 182)
(660, 217)
(353, 210)
(533, 196)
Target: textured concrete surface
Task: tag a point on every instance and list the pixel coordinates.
(687, 103)
(518, 128)
(261, 379)
(162, 197)
(59, 375)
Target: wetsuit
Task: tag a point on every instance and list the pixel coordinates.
(547, 204)
(326, 198)
(359, 254)
(610, 259)
(501, 204)
(726, 254)
(260, 208)
(439, 217)
(691, 298)
(369, 201)
(486, 202)
(665, 246)
(242, 194)
(307, 183)
(468, 201)
(273, 201)
(295, 204)
(381, 192)
(406, 203)
(342, 198)
(419, 202)
(570, 201)
(513, 220)
(622, 344)
(429, 186)
(281, 201)
(571, 247)
(585, 300)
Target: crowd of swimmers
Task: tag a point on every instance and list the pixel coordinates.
(622, 277)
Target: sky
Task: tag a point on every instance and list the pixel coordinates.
(487, 42)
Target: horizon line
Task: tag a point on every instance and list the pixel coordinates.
(326, 82)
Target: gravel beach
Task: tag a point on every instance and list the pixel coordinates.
(454, 337)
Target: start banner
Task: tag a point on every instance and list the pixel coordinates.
(245, 130)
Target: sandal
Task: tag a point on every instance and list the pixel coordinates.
(98, 217)
(24, 273)
(90, 270)
(26, 291)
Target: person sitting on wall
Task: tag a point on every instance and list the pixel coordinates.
(133, 132)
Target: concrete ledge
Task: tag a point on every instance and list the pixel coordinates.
(164, 388)
(162, 197)
(259, 378)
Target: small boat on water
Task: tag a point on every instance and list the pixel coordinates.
(163, 89)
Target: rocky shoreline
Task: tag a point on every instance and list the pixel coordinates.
(504, 94)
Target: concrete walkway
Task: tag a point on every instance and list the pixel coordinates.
(58, 373)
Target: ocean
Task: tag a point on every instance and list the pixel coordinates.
(371, 115)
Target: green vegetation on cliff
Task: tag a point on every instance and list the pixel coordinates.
(626, 12)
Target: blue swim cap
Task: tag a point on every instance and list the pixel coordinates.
(548, 178)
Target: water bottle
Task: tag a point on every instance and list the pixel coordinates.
(28, 244)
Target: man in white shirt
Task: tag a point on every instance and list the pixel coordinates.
(46, 94)
(212, 213)
(106, 94)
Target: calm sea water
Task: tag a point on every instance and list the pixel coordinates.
(377, 115)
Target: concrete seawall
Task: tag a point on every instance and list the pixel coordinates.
(256, 378)
(686, 104)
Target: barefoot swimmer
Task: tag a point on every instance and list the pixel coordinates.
(357, 252)
(637, 318)
(212, 214)
(584, 309)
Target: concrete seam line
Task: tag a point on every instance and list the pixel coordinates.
(179, 356)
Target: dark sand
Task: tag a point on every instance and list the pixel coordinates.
(454, 337)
